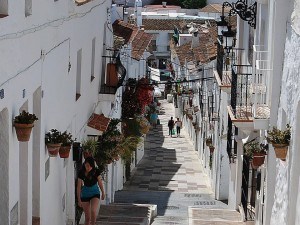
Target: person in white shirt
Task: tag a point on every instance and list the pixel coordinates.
(178, 124)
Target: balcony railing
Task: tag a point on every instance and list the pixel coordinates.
(224, 64)
(261, 69)
(241, 102)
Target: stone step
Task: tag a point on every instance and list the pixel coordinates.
(174, 220)
(123, 213)
(200, 216)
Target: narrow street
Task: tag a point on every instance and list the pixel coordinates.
(171, 177)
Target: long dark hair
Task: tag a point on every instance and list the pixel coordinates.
(91, 161)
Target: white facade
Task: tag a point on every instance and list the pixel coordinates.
(38, 45)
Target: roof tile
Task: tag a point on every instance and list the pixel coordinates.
(140, 43)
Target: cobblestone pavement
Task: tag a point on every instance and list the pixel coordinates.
(170, 175)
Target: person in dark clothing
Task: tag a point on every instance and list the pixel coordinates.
(171, 126)
(88, 193)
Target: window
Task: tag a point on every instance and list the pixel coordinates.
(78, 74)
(28, 7)
(3, 8)
(93, 60)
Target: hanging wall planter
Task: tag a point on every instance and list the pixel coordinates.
(67, 141)
(208, 141)
(280, 151)
(257, 160)
(53, 142)
(280, 139)
(23, 124)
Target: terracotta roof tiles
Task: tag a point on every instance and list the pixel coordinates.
(125, 30)
(214, 8)
(168, 24)
(205, 52)
(139, 44)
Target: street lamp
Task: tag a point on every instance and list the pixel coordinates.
(228, 39)
(245, 12)
(222, 25)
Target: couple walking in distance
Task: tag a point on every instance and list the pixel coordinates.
(171, 125)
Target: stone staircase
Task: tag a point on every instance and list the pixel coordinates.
(199, 216)
(126, 214)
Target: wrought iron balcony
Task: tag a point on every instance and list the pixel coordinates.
(223, 74)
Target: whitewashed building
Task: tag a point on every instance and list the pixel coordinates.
(51, 54)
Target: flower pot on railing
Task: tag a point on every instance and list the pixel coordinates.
(280, 151)
(257, 160)
(64, 151)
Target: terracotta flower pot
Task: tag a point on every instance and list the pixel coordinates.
(280, 151)
(53, 149)
(64, 151)
(211, 149)
(23, 131)
(257, 160)
(86, 154)
(208, 142)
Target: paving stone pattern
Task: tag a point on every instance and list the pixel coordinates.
(170, 176)
(170, 163)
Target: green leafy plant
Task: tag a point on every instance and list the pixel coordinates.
(90, 145)
(208, 141)
(254, 146)
(25, 118)
(53, 137)
(66, 139)
(276, 136)
(128, 146)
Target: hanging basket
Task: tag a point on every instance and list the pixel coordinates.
(87, 154)
(257, 160)
(23, 131)
(208, 142)
(53, 149)
(64, 151)
(280, 151)
(211, 149)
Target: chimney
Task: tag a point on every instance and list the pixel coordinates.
(195, 39)
(138, 12)
(164, 4)
(125, 16)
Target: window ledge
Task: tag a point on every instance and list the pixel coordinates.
(82, 2)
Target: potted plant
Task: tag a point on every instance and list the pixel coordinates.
(90, 147)
(208, 141)
(23, 124)
(66, 143)
(280, 139)
(53, 142)
(256, 151)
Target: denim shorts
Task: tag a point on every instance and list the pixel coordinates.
(87, 193)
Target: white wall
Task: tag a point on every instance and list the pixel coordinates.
(58, 29)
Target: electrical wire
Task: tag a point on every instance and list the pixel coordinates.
(53, 23)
